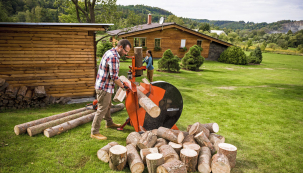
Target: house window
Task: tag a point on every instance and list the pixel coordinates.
(140, 42)
(199, 43)
(183, 41)
(157, 42)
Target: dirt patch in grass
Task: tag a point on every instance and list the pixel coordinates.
(234, 87)
(229, 68)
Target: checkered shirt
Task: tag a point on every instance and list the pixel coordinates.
(108, 71)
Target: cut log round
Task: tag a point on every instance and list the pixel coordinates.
(189, 138)
(168, 153)
(171, 135)
(212, 127)
(190, 158)
(103, 153)
(220, 164)
(175, 166)
(148, 140)
(146, 103)
(216, 139)
(160, 142)
(134, 160)
(204, 160)
(41, 127)
(154, 160)
(21, 93)
(202, 140)
(230, 151)
(133, 138)
(176, 147)
(21, 128)
(52, 131)
(28, 95)
(189, 145)
(120, 95)
(117, 157)
(144, 152)
(197, 128)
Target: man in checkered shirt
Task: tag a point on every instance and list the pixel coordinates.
(106, 79)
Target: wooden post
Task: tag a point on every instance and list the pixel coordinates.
(230, 151)
(117, 157)
(134, 161)
(138, 58)
(154, 160)
(190, 158)
(103, 153)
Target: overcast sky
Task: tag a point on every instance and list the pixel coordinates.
(234, 10)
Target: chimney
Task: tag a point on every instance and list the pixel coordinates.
(149, 19)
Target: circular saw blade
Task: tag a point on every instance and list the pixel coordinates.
(171, 107)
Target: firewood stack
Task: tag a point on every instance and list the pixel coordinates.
(25, 97)
(165, 150)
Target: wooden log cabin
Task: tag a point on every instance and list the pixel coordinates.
(169, 36)
(59, 56)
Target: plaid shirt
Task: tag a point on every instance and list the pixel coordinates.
(108, 71)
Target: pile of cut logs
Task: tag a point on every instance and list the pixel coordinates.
(24, 97)
(165, 150)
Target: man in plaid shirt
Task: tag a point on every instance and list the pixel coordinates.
(106, 79)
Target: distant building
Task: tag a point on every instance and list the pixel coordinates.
(218, 32)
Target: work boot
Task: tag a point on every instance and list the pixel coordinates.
(113, 125)
(98, 136)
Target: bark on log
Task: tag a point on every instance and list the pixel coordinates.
(120, 95)
(117, 157)
(133, 138)
(216, 139)
(144, 152)
(212, 127)
(230, 151)
(204, 160)
(138, 59)
(2, 81)
(197, 128)
(154, 160)
(40, 91)
(189, 138)
(103, 153)
(21, 128)
(160, 142)
(176, 147)
(4, 86)
(190, 158)
(171, 135)
(134, 160)
(53, 131)
(188, 127)
(41, 127)
(168, 153)
(204, 141)
(220, 164)
(189, 145)
(28, 95)
(146, 103)
(11, 92)
(148, 140)
(21, 93)
(175, 166)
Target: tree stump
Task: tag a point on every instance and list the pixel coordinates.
(160, 142)
(144, 152)
(190, 158)
(134, 161)
(189, 145)
(197, 128)
(168, 153)
(204, 160)
(175, 166)
(230, 151)
(154, 160)
(133, 138)
(176, 147)
(148, 140)
(212, 127)
(171, 135)
(103, 153)
(202, 140)
(220, 164)
(216, 139)
(117, 157)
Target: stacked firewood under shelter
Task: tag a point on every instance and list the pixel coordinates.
(26, 97)
(164, 150)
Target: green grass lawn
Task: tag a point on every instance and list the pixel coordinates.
(259, 109)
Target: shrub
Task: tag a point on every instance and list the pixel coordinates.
(192, 60)
(123, 57)
(144, 48)
(157, 48)
(233, 55)
(102, 47)
(169, 62)
(257, 54)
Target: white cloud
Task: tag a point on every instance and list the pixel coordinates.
(250, 10)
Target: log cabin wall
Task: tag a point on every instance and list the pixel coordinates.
(62, 59)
